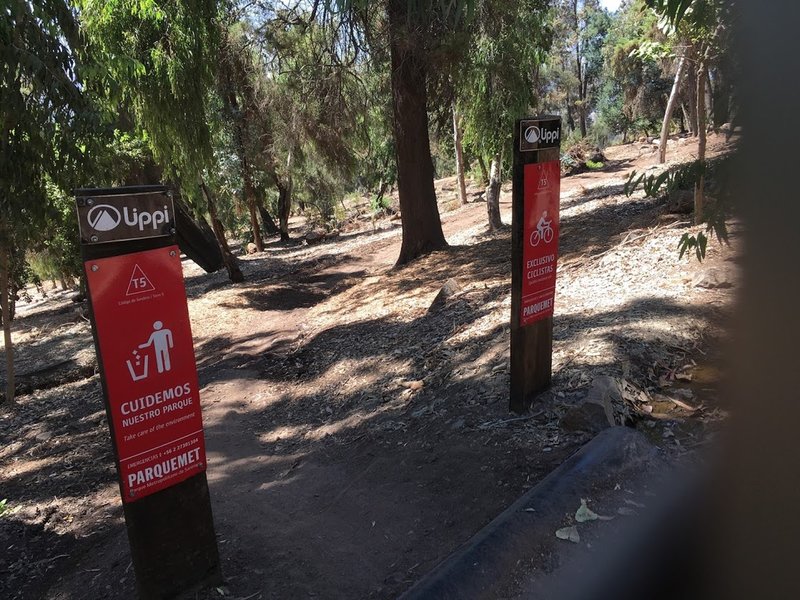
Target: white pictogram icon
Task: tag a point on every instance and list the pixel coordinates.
(139, 367)
(139, 283)
(161, 342)
(543, 231)
(103, 217)
(532, 134)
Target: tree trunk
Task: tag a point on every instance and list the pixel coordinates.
(284, 207)
(699, 188)
(484, 170)
(685, 120)
(709, 97)
(691, 86)
(231, 264)
(239, 135)
(250, 199)
(5, 303)
(195, 238)
(722, 99)
(581, 103)
(462, 184)
(570, 118)
(422, 227)
(582, 117)
(267, 220)
(493, 195)
(673, 97)
(285, 188)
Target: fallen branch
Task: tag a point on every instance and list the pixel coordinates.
(493, 424)
(629, 240)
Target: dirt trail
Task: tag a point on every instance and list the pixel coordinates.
(355, 438)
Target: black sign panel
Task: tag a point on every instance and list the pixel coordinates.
(104, 218)
(538, 134)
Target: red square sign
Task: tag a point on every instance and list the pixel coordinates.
(541, 193)
(145, 339)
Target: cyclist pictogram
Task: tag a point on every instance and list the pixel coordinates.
(543, 232)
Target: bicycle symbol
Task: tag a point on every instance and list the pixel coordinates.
(543, 232)
(546, 235)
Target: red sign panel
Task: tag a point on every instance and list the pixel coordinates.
(142, 322)
(541, 190)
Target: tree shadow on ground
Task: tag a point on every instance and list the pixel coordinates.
(413, 465)
(351, 471)
(304, 291)
(260, 270)
(601, 229)
(35, 550)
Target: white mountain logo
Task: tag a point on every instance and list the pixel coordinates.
(103, 217)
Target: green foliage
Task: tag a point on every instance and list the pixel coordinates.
(294, 105)
(689, 242)
(509, 40)
(321, 190)
(47, 124)
(673, 10)
(58, 248)
(719, 207)
(633, 95)
(682, 177)
(594, 165)
(571, 79)
(157, 60)
(42, 110)
(3, 506)
(379, 203)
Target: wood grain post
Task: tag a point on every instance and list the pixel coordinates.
(531, 343)
(171, 532)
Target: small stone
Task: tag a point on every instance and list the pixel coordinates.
(712, 278)
(447, 291)
(315, 237)
(589, 417)
(603, 392)
(252, 248)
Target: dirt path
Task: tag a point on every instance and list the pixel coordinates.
(355, 438)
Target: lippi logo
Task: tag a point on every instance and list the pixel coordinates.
(534, 134)
(105, 217)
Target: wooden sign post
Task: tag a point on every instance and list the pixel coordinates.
(534, 254)
(143, 340)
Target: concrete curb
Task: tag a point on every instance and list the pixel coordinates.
(488, 565)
